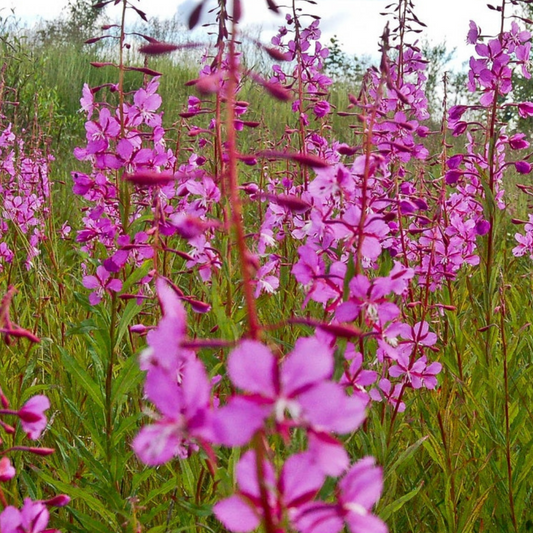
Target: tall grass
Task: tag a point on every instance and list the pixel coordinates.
(459, 459)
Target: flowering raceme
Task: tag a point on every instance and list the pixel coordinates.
(294, 394)
(25, 190)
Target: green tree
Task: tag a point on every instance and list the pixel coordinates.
(79, 23)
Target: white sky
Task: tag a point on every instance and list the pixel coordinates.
(356, 23)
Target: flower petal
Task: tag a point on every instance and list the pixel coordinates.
(236, 514)
(310, 362)
(251, 367)
(235, 423)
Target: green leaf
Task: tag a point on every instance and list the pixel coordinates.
(88, 523)
(473, 514)
(129, 377)
(404, 456)
(82, 378)
(400, 502)
(434, 449)
(131, 311)
(127, 424)
(79, 493)
(165, 488)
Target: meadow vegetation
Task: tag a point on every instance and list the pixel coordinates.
(260, 285)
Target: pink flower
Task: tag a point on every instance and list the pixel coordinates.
(522, 167)
(185, 414)
(32, 417)
(416, 373)
(359, 490)
(473, 33)
(298, 484)
(297, 392)
(164, 349)
(87, 100)
(322, 108)
(7, 471)
(102, 283)
(32, 518)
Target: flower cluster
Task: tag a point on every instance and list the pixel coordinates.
(25, 191)
(34, 515)
(277, 398)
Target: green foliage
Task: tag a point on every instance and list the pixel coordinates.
(349, 70)
(446, 463)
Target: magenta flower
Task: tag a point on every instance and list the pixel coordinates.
(32, 417)
(473, 33)
(297, 392)
(87, 100)
(7, 471)
(388, 393)
(369, 297)
(525, 109)
(522, 167)
(99, 133)
(32, 518)
(322, 108)
(146, 103)
(417, 336)
(298, 484)
(165, 349)
(185, 414)
(359, 490)
(355, 375)
(102, 283)
(416, 373)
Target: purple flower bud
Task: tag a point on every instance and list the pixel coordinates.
(525, 109)
(322, 108)
(523, 167)
(454, 161)
(453, 176)
(58, 501)
(518, 142)
(482, 227)
(459, 128)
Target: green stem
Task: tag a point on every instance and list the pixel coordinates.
(109, 378)
(506, 408)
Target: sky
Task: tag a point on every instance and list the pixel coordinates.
(356, 23)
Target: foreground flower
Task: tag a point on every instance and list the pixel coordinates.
(359, 490)
(32, 417)
(32, 518)
(297, 393)
(185, 415)
(298, 484)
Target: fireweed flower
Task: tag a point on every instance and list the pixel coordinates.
(177, 385)
(354, 374)
(87, 100)
(370, 297)
(165, 349)
(389, 393)
(322, 108)
(415, 373)
(146, 103)
(298, 484)
(185, 414)
(103, 283)
(359, 490)
(297, 392)
(32, 518)
(32, 417)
